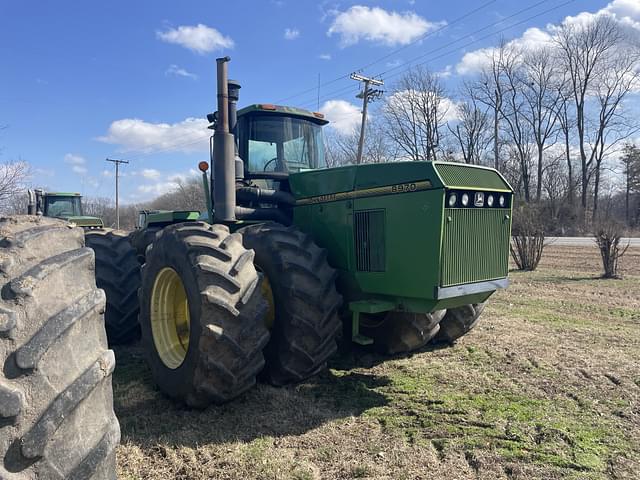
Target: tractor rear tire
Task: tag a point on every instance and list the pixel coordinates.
(304, 302)
(56, 403)
(401, 332)
(220, 352)
(118, 274)
(458, 322)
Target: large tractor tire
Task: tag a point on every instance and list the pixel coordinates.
(401, 332)
(458, 322)
(118, 274)
(202, 314)
(140, 239)
(300, 287)
(56, 405)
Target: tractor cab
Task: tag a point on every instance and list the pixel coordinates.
(67, 206)
(273, 138)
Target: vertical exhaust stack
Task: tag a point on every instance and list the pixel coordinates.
(224, 193)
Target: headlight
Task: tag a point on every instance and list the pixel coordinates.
(490, 201)
(453, 198)
(502, 200)
(465, 200)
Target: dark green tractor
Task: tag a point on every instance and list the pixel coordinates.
(66, 206)
(291, 255)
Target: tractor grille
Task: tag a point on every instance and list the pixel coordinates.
(475, 245)
(369, 238)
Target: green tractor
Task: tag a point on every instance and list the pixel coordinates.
(66, 206)
(291, 256)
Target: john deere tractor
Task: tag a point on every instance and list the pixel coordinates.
(290, 255)
(66, 206)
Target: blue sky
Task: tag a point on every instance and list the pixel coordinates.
(85, 80)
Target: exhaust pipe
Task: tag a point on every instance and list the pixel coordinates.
(224, 194)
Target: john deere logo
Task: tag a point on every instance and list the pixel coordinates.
(478, 199)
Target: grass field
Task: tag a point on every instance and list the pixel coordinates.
(547, 386)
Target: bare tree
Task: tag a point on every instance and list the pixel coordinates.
(619, 75)
(584, 48)
(540, 75)
(13, 176)
(489, 90)
(472, 132)
(415, 113)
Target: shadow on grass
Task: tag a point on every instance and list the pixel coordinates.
(148, 418)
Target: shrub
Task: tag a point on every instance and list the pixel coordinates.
(608, 234)
(527, 237)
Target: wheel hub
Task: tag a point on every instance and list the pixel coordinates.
(170, 321)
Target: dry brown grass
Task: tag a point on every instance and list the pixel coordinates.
(547, 386)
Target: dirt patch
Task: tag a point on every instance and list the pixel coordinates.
(547, 386)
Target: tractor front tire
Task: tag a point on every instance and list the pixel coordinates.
(118, 274)
(202, 314)
(301, 289)
(56, 404)
(458, 322)
(401, 332)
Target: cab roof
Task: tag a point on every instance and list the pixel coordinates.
(270, 109)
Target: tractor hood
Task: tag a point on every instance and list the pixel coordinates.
(354, 181)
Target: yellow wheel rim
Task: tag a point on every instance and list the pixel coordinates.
(170, 322)
(267, 294)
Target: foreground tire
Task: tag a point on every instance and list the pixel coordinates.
(202, 314)
(458, 322)
(118, 274)
(401, 332)
(56, 405)
(304, 303)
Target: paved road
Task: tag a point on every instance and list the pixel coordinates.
(586, 241)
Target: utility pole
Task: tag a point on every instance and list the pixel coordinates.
(117, 164)
(367, 95)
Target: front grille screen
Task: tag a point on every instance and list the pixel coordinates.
(475, 245)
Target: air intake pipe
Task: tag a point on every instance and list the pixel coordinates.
(224, 195)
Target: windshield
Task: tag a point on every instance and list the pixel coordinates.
(280, 143)
(62, 207)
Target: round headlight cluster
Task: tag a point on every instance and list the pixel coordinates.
(502, 201)
(453, 198)
(490, 201)
(465, 200)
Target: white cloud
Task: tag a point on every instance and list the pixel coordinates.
(133, 134)
(626, 12)
(324, 56)
(344, 116)
(150, 173)
(72, 159)
(177, 71)
(77, 163)
(200, 38)
(380, 26)
(291, 33)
